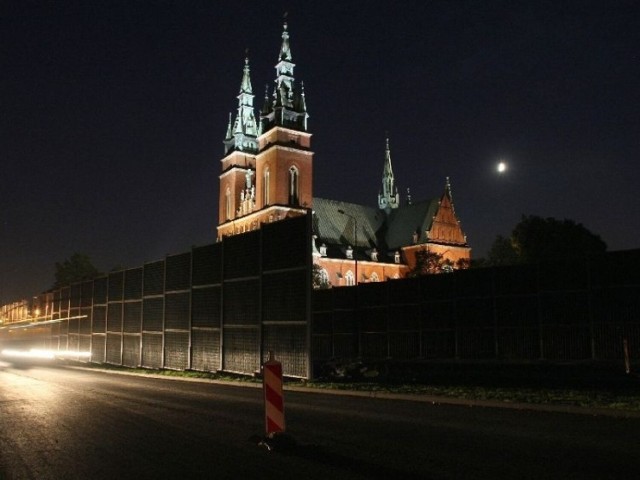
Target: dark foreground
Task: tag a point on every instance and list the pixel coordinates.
(72, 424)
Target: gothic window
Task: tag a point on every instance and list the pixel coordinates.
(374, 277)
(293, 186)
(227, 200)
(265, 187)
(349, 279)
(324, 277)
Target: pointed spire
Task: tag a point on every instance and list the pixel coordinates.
(388, 198)
(288, 107)
(285, 49)
(243, 135)
(245, 86)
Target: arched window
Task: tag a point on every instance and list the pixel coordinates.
(293, 186)
(324, 277)
(374, 277)
(349, 279)
(227, 204)
(265, 187)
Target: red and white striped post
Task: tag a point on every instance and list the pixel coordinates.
(273, 396)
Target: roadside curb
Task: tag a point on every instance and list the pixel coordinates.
(430, 399)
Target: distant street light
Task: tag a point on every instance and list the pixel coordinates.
(355, 238)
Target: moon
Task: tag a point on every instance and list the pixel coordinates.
(501, 167)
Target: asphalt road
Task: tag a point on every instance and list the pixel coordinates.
(76, 424)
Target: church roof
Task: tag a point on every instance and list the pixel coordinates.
(376, 229)
(410, 219)
(335, 227)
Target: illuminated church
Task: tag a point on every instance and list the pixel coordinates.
(267, 175)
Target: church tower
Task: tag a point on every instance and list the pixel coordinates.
(237, 191)
(389, 198)
(267, 173)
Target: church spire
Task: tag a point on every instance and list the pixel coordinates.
(389, 197)
(244, 131)
(288, 106)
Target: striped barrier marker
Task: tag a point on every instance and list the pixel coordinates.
(273, 396)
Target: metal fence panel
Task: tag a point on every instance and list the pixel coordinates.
(207, 264)
(116, 286)
(205, 307)
(152, 350)
(205, 350)
(289, 345)
(240, 254)
(566, 342)
(152, 314)
(241, 347)
(114, 348)
(114, 317)
(374, 294)
(153, 278)
(176, 350)
(178, 272)
(132, 321)
(285, 245)
(177, 311)
(241, 303)
(404, 345)
(86, 294)
(439, 344)
(99, 324)
(100, 289)
(131, 351)
(284, 296)
(85, 322)
(98, 348)
(476, 343)
(374, 320)
(85, 343)
(133, 284)
(519, 343)
(374, 346)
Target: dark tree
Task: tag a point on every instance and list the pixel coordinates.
(76, 268)
(427, 263)
(502, 252)
(537, 239)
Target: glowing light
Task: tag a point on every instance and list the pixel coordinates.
(502, 167)
(41, 354)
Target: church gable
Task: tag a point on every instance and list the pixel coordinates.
(445, 227)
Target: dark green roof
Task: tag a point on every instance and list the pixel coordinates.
(376, 229)
(406, 220)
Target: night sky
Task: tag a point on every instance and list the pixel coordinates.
(113, 116)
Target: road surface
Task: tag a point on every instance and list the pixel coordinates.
(62, 423)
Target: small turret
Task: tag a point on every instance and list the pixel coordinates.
(388, 198)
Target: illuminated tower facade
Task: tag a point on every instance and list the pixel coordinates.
(267, 171)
